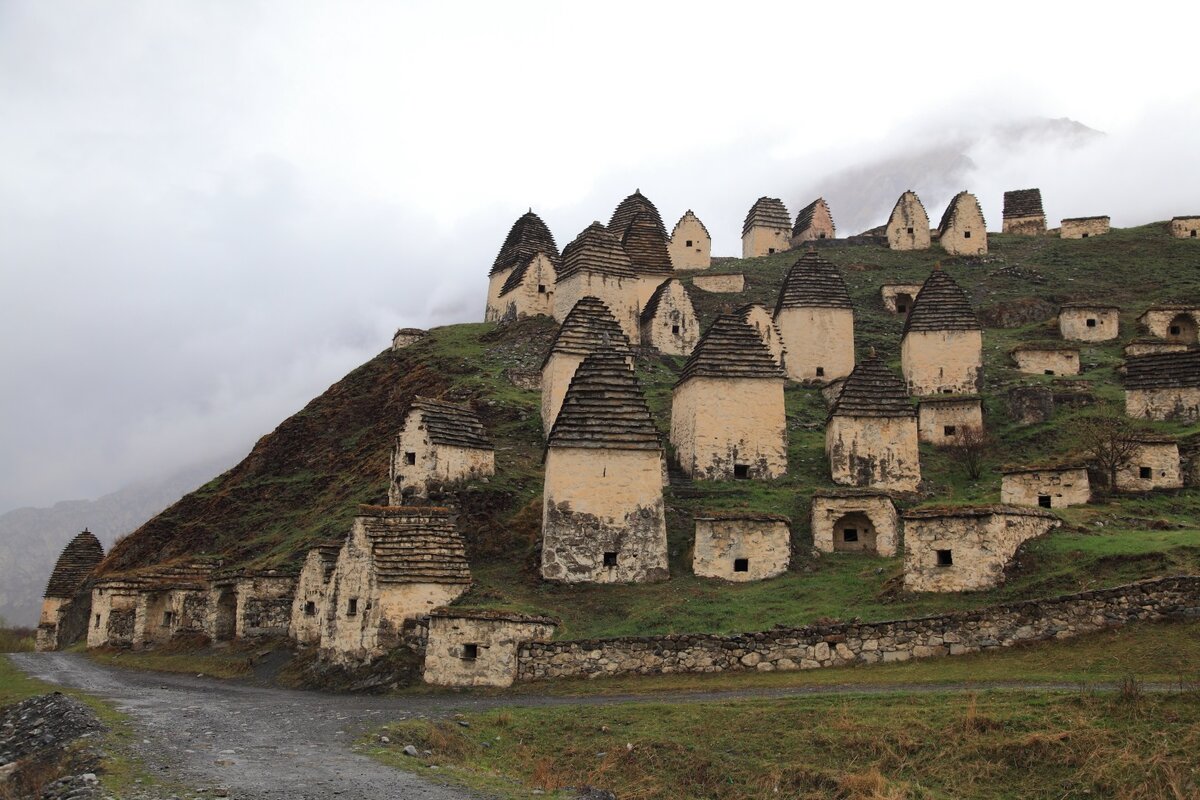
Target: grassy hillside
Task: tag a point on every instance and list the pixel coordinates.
(304, 481)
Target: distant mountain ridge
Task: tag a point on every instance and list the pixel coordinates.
(32, 538)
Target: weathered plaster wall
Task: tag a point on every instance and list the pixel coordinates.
(942, 422)
(534, 296)
(719, 423)
(603, 501)
(1047, 362)
(1084, 228)
(690, 246)
(674, 329)
(1173, 324)
(873, 519)
(764, 544)
(980, 547)
(264, 605)
(720, 284)
(308, 603)
(967, 236)
(908, 226)
(880, 452)
(113, 611)
(1073, 324)
(621, 295)
(819, 342)
(1181, 403)
(556, 379)
(760, 241)
(942, 362)
(1185, 228)
(893, 295)
(1063, 487)
(449, 661)
(1025, 226)
(1142, 348)
(1161, 460)
(760, 319)
(433, 464)
(844, 644)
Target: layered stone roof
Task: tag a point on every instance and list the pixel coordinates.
(731, 348)
(1163, 370)
(604, 408)
(1185, 218)
(527, 237)
(956, 207)
(1092, 304)
(813, 282)
(937, 512)
(941, 305)
(590, 326)
(415, 545)
(646, 246)
(629, 208)
(751, 516)
(1085, 219)
(328, 551)
(596, 250)
(1023, 203)
(651, 309)
(804, 219)
(492, 615)
(75, 563)
(767, 212)
(899, 207)
(451, 425)
(700, 222)
(873, 390)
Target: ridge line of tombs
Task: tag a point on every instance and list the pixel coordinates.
(400, 566)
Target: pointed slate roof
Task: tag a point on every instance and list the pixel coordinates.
(590, 326)
(328, 551)
(954, 209)
(604, 408)
(897, 210)
(527, 237)
(517, 276)
(452, 425)
(646, 246)
(730, 348)
(595, 249)
(804, 219)
(1023, 203)
(767, 212)
(415, 545)
(630, 207)
(75, 563)
(692, 214)
(813, 282)
(873, 390)
(656, 299)
(941, 305)
(1163, 370)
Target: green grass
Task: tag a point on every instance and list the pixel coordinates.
(16, 640)
(231, 663)
(990, 746)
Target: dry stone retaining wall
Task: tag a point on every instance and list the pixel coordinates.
(816, 646)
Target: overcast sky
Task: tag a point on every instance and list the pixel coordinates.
(210, 211)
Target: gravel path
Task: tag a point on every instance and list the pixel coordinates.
(266, 743)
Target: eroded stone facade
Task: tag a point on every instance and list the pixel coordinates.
(669, 322)
(1176, 323)
(724, 428)
(942, 362)
(720, 284)
(406, 337)
(114, 609)
(813, 223)
(312, 584)
(908, 226)
(1145, 347)
(422, 459)
(1155, 465)
(966, 549)
(897, 298)
(1083, 227)
(1047, 487)
(855, 522)
(1185, 227)
(690, 245)
(962, 231)
(479, 648)
(759, 318)
(942, 421)
(1089, 323)
(819, 342)
(1036, 360)
(522, 292)
(741, 547)
(880, 452)
(1179, 403)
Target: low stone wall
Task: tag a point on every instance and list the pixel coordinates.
(865, 643)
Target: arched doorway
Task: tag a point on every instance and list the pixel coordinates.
(854, 533)
(1182, 329)
(904, 302)
(226, 617)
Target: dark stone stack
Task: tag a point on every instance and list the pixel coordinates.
(767, 212)
(596, 250)
(730, 349)
(804, 219)
(590, 326)
(78, 559)
(452, 425)
(941, 305)
(1163, 371)
(527, 237)
(952, 211)
(1023, 203)
(605, 408)
(813, 282)
(629, 209)
(873, 390)
(416, 545)
(646, 246)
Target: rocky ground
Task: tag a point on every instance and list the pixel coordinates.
(47, 736)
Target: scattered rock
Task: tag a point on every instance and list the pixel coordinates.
(409, 750)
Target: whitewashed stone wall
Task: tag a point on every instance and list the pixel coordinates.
(720, 284)
(1050, 361)
(942, 362)
(1060, 487)
(718, 424)
(1156, 465)
(1179, 403)
(1095, 324)
(879, 452)
(466, 648)
(763, 241)
(979, 545)
(872, 517)
(1083, 228)
(819, 342)
(741, 548)
(941, 422)
(620, 294)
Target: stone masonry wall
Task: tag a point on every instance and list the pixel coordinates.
(819, 342)
(720, 423)
(620, 294)
(872, 517)
(690, 246)
(463, 650)
(880, 452)
(942, 362)
(761, 241)
(761, 546)
(1073, 324)
(1162, 462)
(721, 284)
(980, 547)
(1064, 487)
(1186, 227)
(941, 422)
(1181, 403)
(1083, 228)
(1047, 362)
(841, 644)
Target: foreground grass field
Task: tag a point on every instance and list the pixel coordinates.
(983, 746)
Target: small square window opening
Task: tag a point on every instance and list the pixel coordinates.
(741, 565)
(949, 430)
(470, 652)
(1145, 473)
(1044, 500)
(741, 471)
(410, 458)
(945, 558)
(850, 535)
(610, 559)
